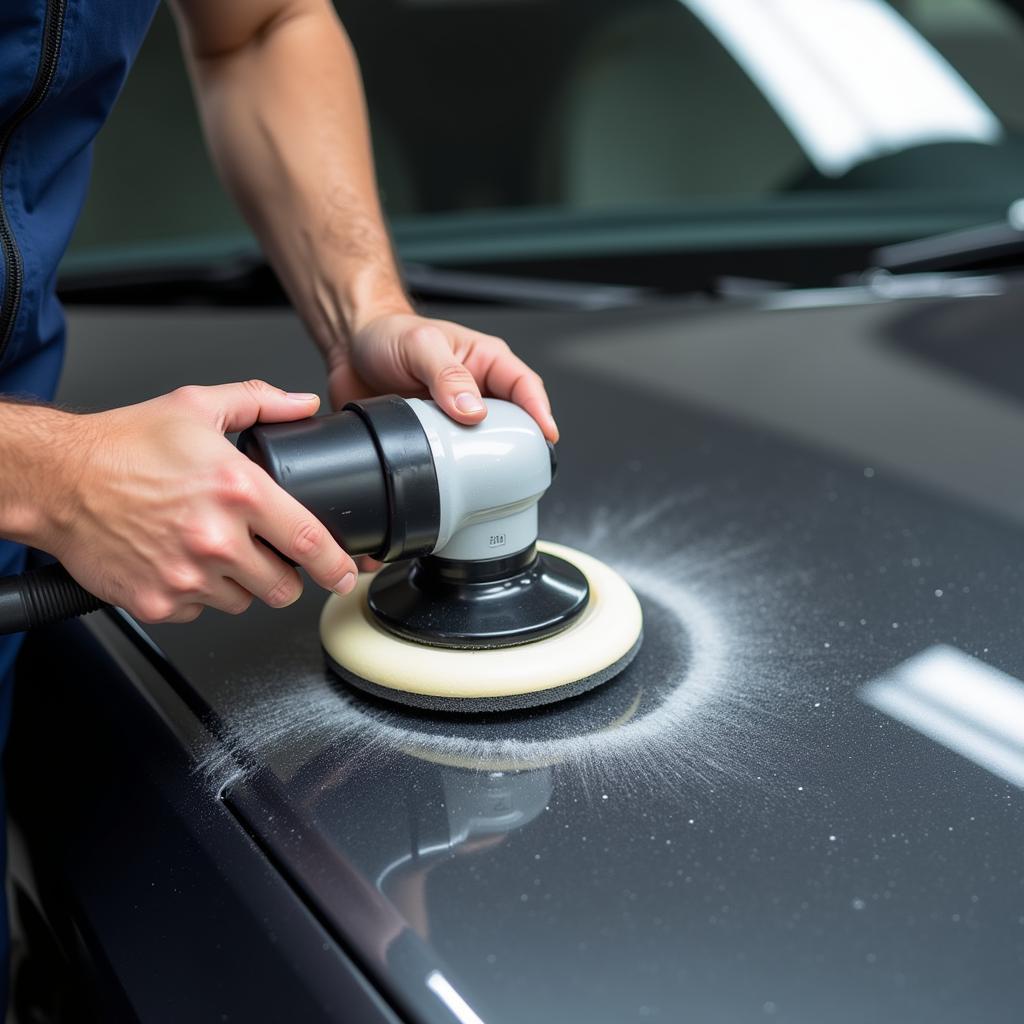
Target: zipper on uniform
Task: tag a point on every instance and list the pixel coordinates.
(53, 31)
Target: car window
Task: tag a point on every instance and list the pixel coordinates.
(983, 40)
(576, 105)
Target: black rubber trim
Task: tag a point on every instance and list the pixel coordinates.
(414, 498)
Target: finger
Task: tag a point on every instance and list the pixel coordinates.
(186, 613)
(261, 573)
(368, 564)
(228, 596)
(432, 362)
(157, 605)
(294, 531)
(344, 384)
(237, 406)
(510, 378)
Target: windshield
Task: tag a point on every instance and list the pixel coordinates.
(693, 123)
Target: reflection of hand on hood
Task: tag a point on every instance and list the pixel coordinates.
(481, 808)
(493, 803)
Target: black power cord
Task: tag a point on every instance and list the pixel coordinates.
(43, 596)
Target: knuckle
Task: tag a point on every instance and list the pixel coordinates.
(182, 579)
(190, 397)
(210, 542)
(234, 484)
(307, 537)
(189, 614)
(239, 606)
(256, 387)
(153, 607)
(528, 379)
(424, 334)
(453, 373)
(500, 344)
(187, 393)
(343, 565)
(285, 590)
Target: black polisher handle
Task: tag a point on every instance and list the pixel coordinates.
(41, 597)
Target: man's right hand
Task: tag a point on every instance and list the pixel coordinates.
(154, 510)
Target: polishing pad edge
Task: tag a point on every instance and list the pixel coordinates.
(587, 653)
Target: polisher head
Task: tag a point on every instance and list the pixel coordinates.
(591, 648)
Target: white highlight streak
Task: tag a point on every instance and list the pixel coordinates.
(703, 674)
(850, 78)
(708, 691)
(963, 703)
(442, 988)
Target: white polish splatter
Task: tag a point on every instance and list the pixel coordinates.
(709, 700)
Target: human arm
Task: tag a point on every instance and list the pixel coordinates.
(153, 509)
(281, 99)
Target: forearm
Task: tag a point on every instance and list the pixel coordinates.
(36, 443)
(285, 118)
(282, 104)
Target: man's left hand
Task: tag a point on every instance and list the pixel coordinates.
(410, 355)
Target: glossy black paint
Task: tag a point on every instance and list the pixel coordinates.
(162, 908)
(803, 499)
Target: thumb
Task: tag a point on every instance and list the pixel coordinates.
(451, 385)
(237, 406)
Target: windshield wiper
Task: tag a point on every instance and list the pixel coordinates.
(246, 279)
(238, 277)
(471, 285)
(986, 247)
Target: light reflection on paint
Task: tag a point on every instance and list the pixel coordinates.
(961, 702)
(851, 79)
(442, 988)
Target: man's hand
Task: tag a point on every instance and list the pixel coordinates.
(159, 513)
(411, 355)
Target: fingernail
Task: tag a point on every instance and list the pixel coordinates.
(468, 402)
(345, 584)
(301, 396)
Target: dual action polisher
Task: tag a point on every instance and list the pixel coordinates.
(473, 613)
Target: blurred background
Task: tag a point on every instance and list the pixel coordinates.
(663, 143)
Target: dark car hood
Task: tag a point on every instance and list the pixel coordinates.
(822, 511)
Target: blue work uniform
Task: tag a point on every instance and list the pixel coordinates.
(62, 64)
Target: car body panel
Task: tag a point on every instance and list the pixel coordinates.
(805, 500)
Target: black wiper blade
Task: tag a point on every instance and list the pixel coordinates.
(990, 245)
(545, 293)
(244, 278)
(237, 278)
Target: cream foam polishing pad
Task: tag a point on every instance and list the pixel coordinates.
(596, 645)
